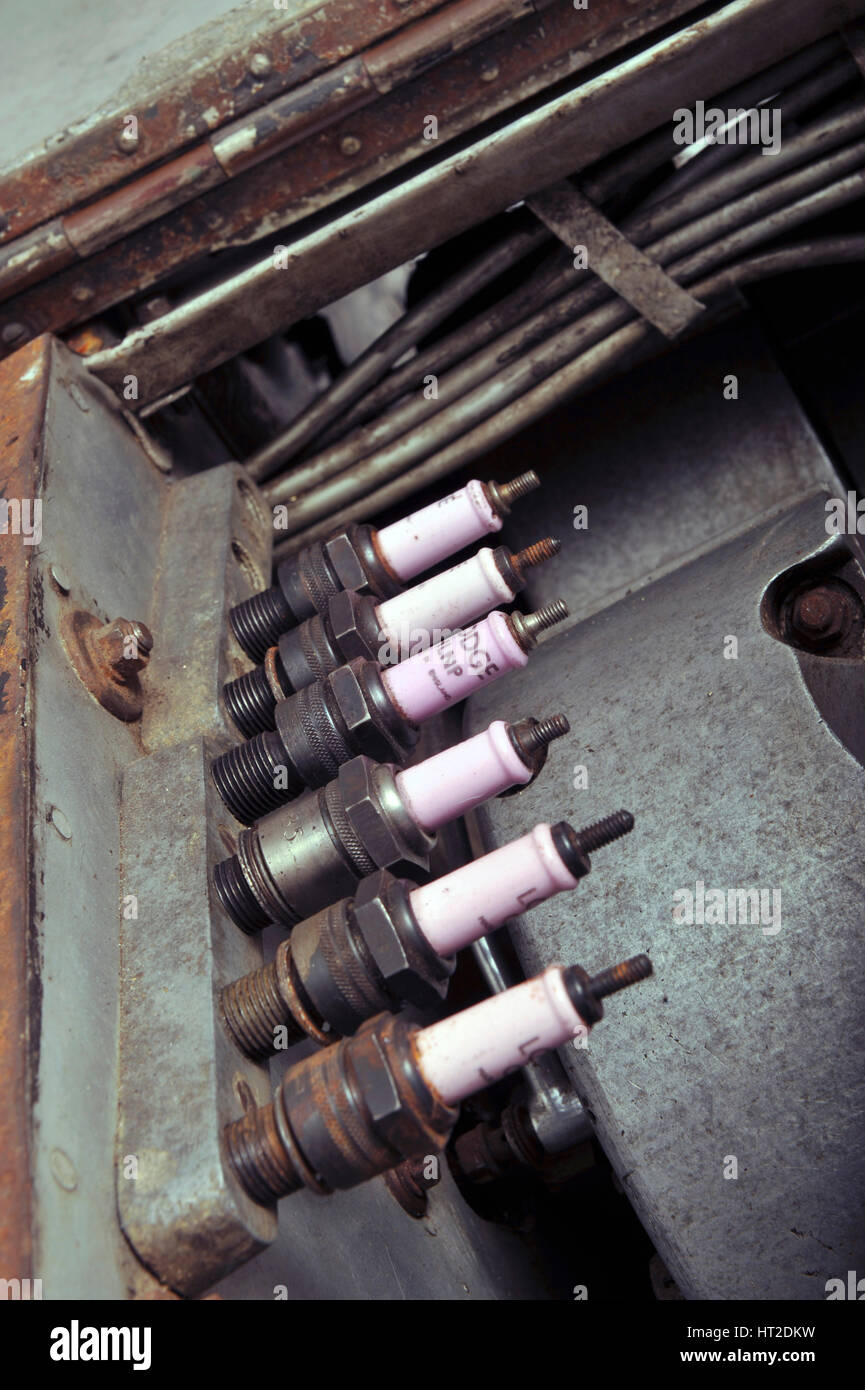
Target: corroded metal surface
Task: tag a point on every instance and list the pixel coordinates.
(531, 152)
(358, 146)
(22, 396)
(180, 99)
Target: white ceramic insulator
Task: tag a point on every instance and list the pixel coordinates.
(472, 1049)
(430, 611)
(450, 783)
(475, 899)
(428, 536)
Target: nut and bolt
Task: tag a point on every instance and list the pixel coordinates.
(527, 627)
(820, 615)
(123, 646)
(575, 846)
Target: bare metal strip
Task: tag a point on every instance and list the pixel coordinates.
(614, 259)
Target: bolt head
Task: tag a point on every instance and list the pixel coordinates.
(379, 1088)
(365, 812)
(124, 646)
(127, 141)
(404, 973)
(358, 711)
(346, 612)
(343, 556)
(818, 614)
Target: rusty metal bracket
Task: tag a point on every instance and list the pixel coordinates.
(23, 382)
(288, 159)
(615, 259)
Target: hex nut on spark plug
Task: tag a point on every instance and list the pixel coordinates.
(412, 972)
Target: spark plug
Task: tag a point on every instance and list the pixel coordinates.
(392, 1091)
(395, 943)
(381, 562)
(359, 625)
(359, 708)
(371, 816)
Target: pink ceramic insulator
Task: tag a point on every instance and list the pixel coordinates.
(474, 900)
(429, 611)
(425, 538)
(443, 675)
(450, 783)
(470, 1050)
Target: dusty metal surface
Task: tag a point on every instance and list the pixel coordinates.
(744, 1046)
(339, 160)
(678, 470)
(95, 477)
(87, 890)
(22, 395)
(458, 191)
(180, 1076)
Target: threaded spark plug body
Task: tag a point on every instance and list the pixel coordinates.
(362, 559)
(359, 625)
(318, 848)
(391, 944)
(359, 708)
(392, 1091)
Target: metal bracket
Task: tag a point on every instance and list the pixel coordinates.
(614, 259)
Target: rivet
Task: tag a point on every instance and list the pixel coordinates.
(260, 65)
(60, 822)
(12, 332)
(61, 579)
(349, 144)
(63, 1170)
(127, 141)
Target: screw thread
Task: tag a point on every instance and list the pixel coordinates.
(237, 897)
(616, 977)
(536, 554)
(259, 622)
(603, 832)
(254, 1008)
(251, 702)
(246, 776)
(259, 1157)
(525, 627)
(518, 487)
(530, 737)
